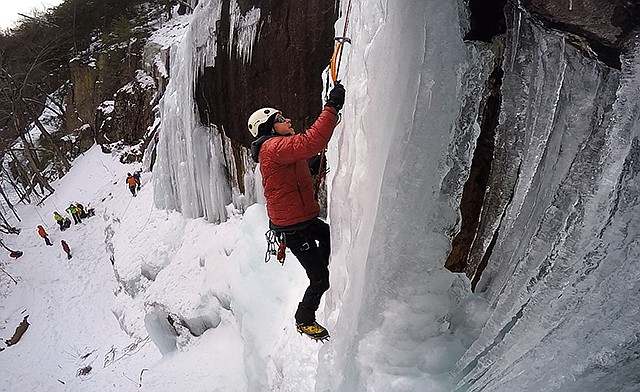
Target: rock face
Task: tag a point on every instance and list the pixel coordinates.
(130, 117)
(92, 115)
(603, 24)
(294, 44)
(84, 95)
(132, 110)
(486, 20)
(597, 28)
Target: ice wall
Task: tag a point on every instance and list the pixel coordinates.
(563, 275)
(243, 30)
(559, 290)
(407, 75)
(555, 309)
(191, 172)
(189, 164)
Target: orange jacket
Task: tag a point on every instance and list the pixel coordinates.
(131, 181)
(42, 232)
(287, 182)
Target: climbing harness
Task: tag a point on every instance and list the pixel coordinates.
(276, 246)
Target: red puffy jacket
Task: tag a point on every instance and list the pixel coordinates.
(287, 182)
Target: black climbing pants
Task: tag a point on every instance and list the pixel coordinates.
(312, 247)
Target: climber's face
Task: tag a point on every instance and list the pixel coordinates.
(282, 125)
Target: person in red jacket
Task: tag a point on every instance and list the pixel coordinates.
(66, 248)
(132, 184)
(291, 205)
(44, 235)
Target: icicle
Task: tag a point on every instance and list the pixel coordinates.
(243, 30)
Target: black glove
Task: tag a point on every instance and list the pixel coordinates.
(336, 97)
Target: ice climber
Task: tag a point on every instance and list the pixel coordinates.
(289, 194)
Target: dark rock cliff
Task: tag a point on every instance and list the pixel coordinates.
(94, 115)
(293, 46)
(601, 25)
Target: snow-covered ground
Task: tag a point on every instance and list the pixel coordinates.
(78, 311)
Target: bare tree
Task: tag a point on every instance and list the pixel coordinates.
(21, 108)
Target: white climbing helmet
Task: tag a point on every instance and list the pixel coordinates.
(260, 117)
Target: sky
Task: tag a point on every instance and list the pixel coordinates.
(11, 9)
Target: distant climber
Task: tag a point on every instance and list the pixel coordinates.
(81, 212)
(59, 220)
(288, 190)
(136, 176)
(73, 210)
(66, 248)
(132, 184)
(44, 235)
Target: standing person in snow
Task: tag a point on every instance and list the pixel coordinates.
(44, 235)
(66, 248)
(132, 184)
(288, 190)
(136, 176)
(73, 210)
(59, 220)
(81, 213)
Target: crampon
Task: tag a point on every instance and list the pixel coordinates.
(313, 330)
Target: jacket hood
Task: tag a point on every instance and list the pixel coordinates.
(256, 145)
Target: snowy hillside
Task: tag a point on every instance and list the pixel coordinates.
(81, 317)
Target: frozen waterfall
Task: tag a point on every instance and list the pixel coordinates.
(556, 307)
(558, 295)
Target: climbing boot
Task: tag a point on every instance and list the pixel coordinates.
(313, 330)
